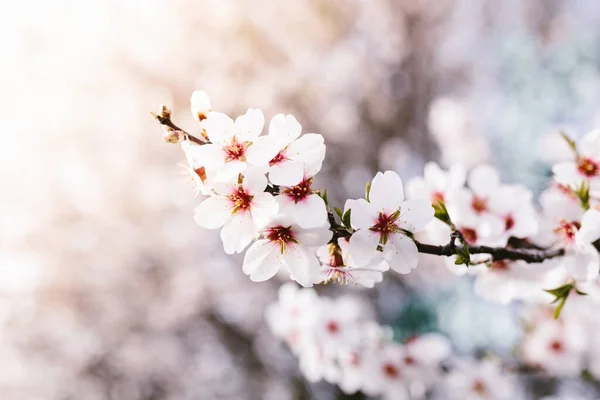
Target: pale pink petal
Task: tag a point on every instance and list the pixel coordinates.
(415, 215)
(589, 145)
(254, 183)
(417, 188)
(302, 265)
(285, 127)
(484, 180)
(208, 156)
(200, 104)
(402, 255)
(286, 173)
(363, 214)
(313, 237)
(261, 252)
(363, 246)
(263, 209)
(386, 193)
(262, 150)
(249, 125)
(566, 173)
(310, 149)
(219, 127)
(230, 171)
(590, 226)
(309, 212)
(585, 263)
(212, 212)
(238, 232)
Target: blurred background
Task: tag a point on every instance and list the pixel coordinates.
(109, 290)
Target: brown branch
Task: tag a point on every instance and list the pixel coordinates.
(497, 253)
(164, 118)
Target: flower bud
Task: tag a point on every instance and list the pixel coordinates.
(200, 105)
(171, 135)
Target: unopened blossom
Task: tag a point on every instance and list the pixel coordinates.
(585, 168)
(230, 141)
(480, 380)
(382, 222)
(303, 204)
(555, 347)
(200, 105)
(286, 245)
(289, 156)
(240, 208)
(436, 184)
(338, 266)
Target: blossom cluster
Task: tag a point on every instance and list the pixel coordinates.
(335, 342)
(260, 194)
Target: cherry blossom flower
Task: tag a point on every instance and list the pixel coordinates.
(338, 266)
(585, 168)
(300, 202)
(483, 380)
(290, 157)
(230, 141)
(286, 245)
(423, 356)
(240, 208)
(582, 260)
(385, 373)
(382, 223)
(436, 184)
(556, 347)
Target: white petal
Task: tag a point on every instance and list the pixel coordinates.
(313, 237)
(249, 125)
(415, 214)
(301, 265)
(200, 104)
(286, 173)
(363, 246)
(262, 150)
(212, 212)
(417, 188)
(229, 171)
(219, 127)
(585, 264)
(254, 183)
(402, 255)
(589, 145)
(238, 232)
(386, 192)
(363, 214)
(483, 180)
(566, 173)
(208, 156)
(590, 226)
(261, 252)
(310, 149)
(310, 212)
(285, 127)
(263, 209)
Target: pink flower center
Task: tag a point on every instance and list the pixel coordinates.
(556, 346)
(235, 150)
(479, 387)
(500, 266)
(588, 167)
(509, 222)
(333, 327)
(386, 225)
(568, 230)
(241, 200)
(355, 360)
(479, 204)
(390, 370)
(278, 158)
(437, 197)
(280, 235)
(469, 234)
(300, 191)
(409, 360)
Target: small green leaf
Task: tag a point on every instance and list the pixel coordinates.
(339, 212)
(441, 212)
(560, 306)
(570, 142)
(346, 218)
(368, 191)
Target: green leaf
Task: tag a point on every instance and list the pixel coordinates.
(368, 191)
(560, 306)
(441, 212)
(346, 218)
(561, 294)
(570, 142)
(339, 212)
